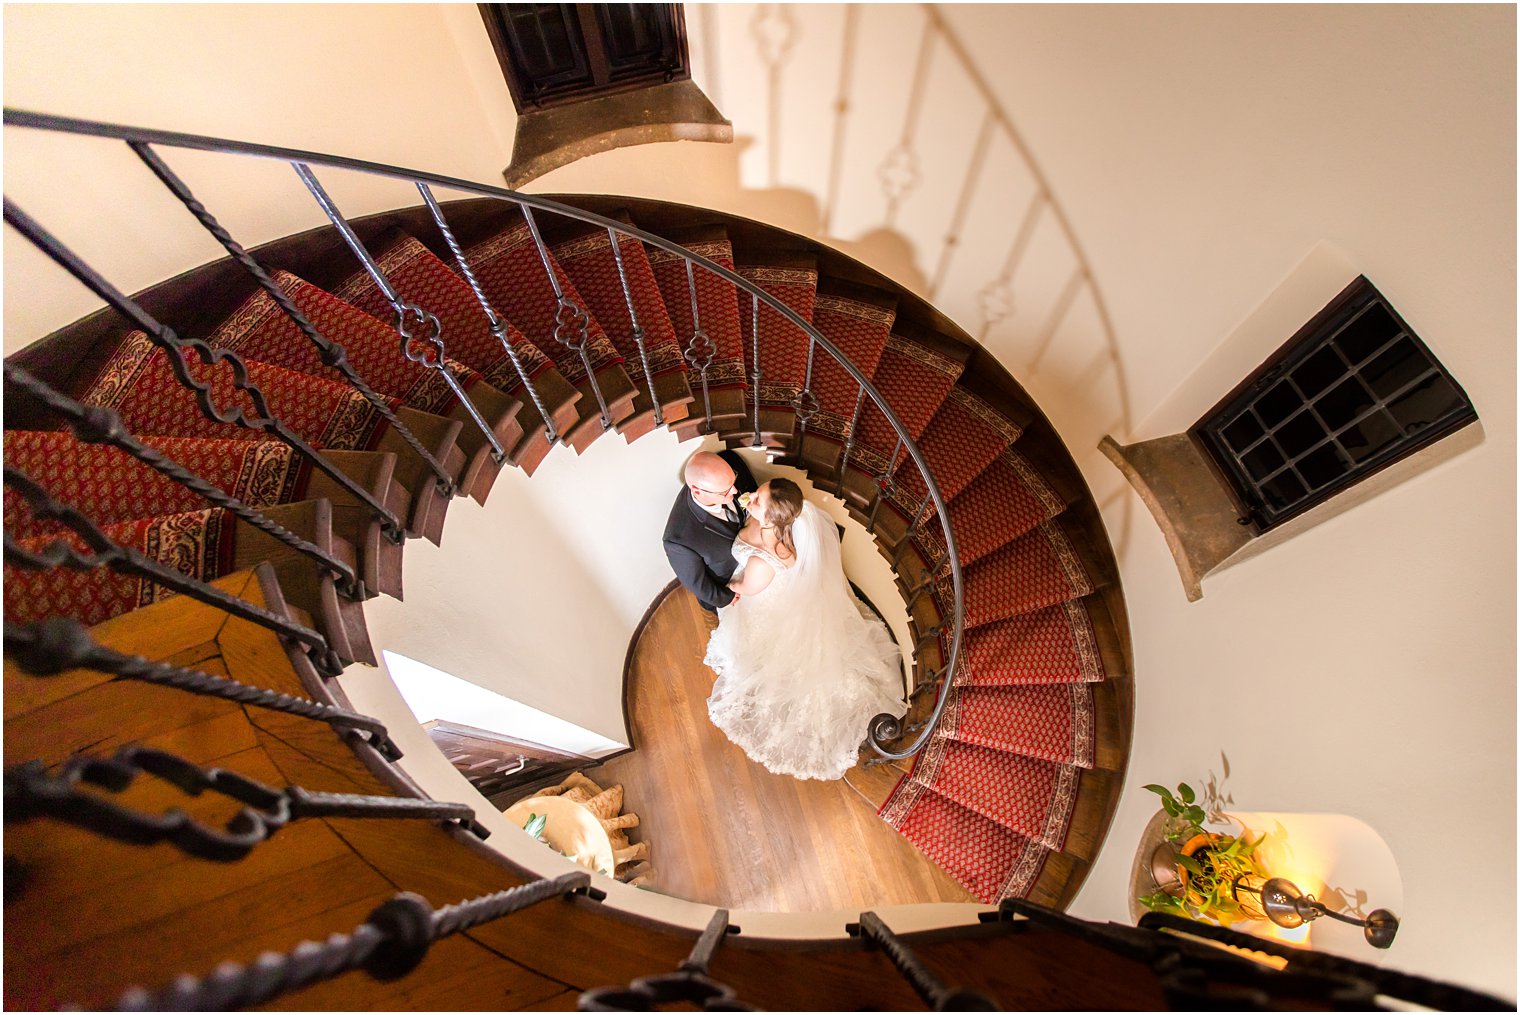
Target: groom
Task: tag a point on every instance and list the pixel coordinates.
(699, 536)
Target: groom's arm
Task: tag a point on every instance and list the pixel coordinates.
(692, 571)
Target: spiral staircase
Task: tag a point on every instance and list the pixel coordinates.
(555, 331)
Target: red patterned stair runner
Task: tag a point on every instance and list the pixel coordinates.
(196, 543)
(915, 380)
(1038, 569)
(138, 382)
(1055, 645)
(718, 309)
(1006, 500)
(420, 277)
(992, 862)
(1050, 721)
(260, 330)
(106, 484)
(589, 261)
(417, 274)
(859, 329)
(965, 436)
(1027, 795)
(511, 273)
(783, 345)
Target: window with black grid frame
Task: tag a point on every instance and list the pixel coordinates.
(1354, 391)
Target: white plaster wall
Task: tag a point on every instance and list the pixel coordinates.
(537, 594)
(1197, 155)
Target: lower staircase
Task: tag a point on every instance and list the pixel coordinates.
(1014, 789)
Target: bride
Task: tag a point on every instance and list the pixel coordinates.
(802, 664)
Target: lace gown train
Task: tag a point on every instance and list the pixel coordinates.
(802, 666)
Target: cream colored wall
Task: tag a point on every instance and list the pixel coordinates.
(537, 594)
(408, 84)
(1197, 156)
(1200, 156)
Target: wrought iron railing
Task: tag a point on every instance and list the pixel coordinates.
(421, 342)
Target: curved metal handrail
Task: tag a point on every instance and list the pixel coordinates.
(882, 727)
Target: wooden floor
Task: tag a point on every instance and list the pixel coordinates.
(723, 830)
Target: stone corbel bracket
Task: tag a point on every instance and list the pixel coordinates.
(550, 138)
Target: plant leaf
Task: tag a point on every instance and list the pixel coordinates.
(1186, 792)
(1190, 865)
(1195, 814)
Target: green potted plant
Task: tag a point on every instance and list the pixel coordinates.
(1210, 866)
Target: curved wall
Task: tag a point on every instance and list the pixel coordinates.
(1205, 158)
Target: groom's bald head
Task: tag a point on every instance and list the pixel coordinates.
(710, 478)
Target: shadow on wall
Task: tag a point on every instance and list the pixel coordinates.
(868, 128)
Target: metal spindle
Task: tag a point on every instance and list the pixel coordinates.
(886, 484)
(689, 984)
(712, 936)
(391, 942)
(913, 525)
(701, 349)
(849, 440)
(179, 350)
(31, 791)
(498, 328)
(756, 375)
(635, 328)
(569, 318)
(425, 348)
(59, 644)
(98, 424)
(332, 353)
(806, 403)
(928, 986)
(125, 560)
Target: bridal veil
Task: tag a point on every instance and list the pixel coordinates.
(802, 666)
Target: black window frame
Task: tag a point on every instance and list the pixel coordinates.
(596, 67)
(1279, 377)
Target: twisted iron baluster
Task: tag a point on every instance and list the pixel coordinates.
(32, 792)
(569, 317)
(97, 424)
(637, 330)
(907, 539)
(125, 560)
(91, 128)
(60, 644)
(390, 943)
(806, 403)
(689, 983)
(929, 987)
(424, 348)
(701, 349)
(849, 441)
(179, 348)
(886, 485)
(498, 329)
(928, 582)
(332, 353)
(756, 375)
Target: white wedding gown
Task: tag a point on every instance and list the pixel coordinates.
(802, 666)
